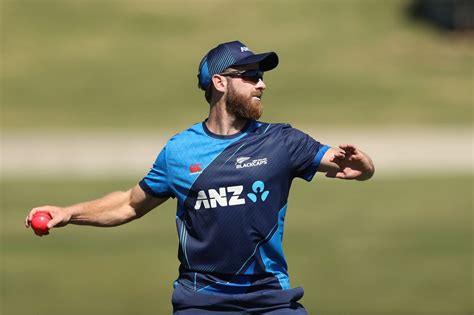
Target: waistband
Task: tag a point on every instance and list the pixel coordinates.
(184, 297)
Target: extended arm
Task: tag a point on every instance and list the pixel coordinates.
(111, 210)
(347, 162)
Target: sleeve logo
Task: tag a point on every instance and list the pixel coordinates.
(195, 168)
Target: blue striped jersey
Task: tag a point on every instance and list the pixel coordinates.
(232, 194)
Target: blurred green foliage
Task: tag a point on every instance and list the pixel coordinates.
(387, 246)
(105, 64)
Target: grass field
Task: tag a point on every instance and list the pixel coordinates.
(102, 64)
(387, 246)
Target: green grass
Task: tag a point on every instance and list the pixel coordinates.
(104, 64)
(387, 246)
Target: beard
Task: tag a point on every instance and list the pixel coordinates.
(242, 106)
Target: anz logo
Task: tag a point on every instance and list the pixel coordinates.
(230, 196)
(258, 190)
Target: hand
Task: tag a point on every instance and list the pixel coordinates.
(60, 217)
(353, 164)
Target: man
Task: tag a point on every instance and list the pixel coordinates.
(231, 176)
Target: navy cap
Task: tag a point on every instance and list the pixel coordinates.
(231, 54)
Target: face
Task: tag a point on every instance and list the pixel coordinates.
(244, 97)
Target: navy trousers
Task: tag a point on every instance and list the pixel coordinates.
(186, 301)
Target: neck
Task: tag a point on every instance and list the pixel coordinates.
(223, 123)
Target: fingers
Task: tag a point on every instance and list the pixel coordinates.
(340, 175)
(345, 152)
(30, 215)
(33, 211)
(344, 173)
(349, 148)
(55, 221)
(338, 155)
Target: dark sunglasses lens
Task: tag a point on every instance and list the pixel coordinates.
(253, 75)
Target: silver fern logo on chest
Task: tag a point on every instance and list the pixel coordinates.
(245, 161)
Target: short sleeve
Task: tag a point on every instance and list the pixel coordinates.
(156, 182)
(305, 153)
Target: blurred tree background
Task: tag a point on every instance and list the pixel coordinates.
(107, 64)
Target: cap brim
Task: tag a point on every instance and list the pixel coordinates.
(266, 61)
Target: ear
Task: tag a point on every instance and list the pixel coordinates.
(220, 83)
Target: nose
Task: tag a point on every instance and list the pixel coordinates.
(260, 85)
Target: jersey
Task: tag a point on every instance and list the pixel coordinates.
(232, 195)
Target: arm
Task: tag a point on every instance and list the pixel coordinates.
(347, 162)
(111, 210)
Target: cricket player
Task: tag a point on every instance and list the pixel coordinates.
(231, 175)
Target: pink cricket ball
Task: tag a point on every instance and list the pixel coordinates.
(39, 223)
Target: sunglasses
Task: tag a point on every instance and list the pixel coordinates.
(247, 75)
